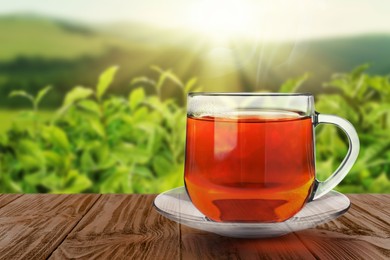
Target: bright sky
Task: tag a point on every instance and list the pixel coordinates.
(276, 19)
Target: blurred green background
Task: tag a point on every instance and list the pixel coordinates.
(92, 93)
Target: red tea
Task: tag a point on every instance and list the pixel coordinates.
(249, 168)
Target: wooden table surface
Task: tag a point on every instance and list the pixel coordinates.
(93, 226)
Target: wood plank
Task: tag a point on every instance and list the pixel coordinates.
(122, 227)
(380, 203)
(371, 214)
(32, 226)
(7, 198)
(197, 244)
(362, 233)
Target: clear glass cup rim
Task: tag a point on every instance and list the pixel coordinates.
(259, 94)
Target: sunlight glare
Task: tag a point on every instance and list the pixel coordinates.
(220, 18)
(260, 19)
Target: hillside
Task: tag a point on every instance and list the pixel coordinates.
(38, 37)
(36, 51)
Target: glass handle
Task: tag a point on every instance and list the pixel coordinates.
(323, 187)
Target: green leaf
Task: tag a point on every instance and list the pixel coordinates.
(105, 80)
(117, 181)
(139, 80)
(87, 162)
(161, 79)
(30, 162)
(127, 152)
(76, 94)
(382, 85)
(90, 106)
(136, 97)
(157, 69)
(30, 147)
(174, 78)
(140, 115)
(41, 94)
(102, 155)
(21, 93)
(11, 186)
(52, 182)
(292, 85)
(143, 172)
(53, 159)
(190, 85)
(380, 184)
(166, 74)
(172, 179)
(358, 71)
(97, 127)
(34, 179)
(161, 165)
(146, 126)
(59, 137)
(76, 183)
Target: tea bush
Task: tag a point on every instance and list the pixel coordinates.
(104, 143)
(99, 143)
(364, 100)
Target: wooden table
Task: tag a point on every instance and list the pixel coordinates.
(93, 226)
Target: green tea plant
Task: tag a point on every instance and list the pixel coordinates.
(364, 100)
(100, 143)
(104, 143)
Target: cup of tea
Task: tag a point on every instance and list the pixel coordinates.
(250, 157)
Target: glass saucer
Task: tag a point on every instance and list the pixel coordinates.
(177, 206)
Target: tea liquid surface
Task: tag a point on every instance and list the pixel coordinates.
(249, 168)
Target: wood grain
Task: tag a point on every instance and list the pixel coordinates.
(32, 226)
(7, 198)
(127, 227)
(122, 227)
(362, 233)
